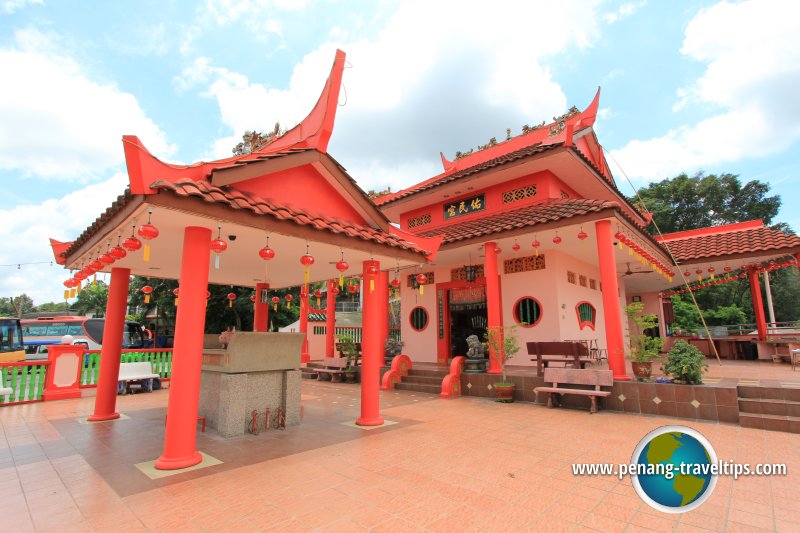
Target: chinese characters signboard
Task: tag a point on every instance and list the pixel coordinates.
(465, 206)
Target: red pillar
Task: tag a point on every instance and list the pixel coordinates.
(375, 298)
(758, 304)
(261, 308)
(305, 356)
(105, 403)
(180, 438)
(330, 319)
(612, 310)
(494, 302)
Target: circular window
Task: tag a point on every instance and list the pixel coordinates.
(419, 318)
(527, 312)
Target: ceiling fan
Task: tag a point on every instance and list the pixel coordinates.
(629, 271)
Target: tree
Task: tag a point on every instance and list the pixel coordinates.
(683, 203)
(51, 307)
(92, 299)
(16, 305)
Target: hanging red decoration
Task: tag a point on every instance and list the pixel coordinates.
(582, 235)
(306, 260)
(107, 258)
(699, 273)
(253, 298)
(536, 245)
(118, 252)
(97, 265)
(218, 246)
(711, 270)
(556, 240)
(266, 253)
(335, 291)
(275, 302)
(208, 295)
(342, 267)
(421, 280)
(289, 299)
(231, 297)
(132, 244)
(318, 295)
(147, 290)
(147, 232)
(175, 294)
(515, 247)
(395, 283)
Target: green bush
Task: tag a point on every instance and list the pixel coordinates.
(685, 363)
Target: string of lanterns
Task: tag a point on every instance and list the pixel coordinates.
(728, 275)
(643, 255)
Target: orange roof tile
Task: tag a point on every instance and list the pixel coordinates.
(741, 238)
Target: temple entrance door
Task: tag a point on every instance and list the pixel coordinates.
(467, 316)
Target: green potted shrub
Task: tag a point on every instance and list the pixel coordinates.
(349, 350)
(643, 347)
(503, 344)
(392, 348)
(685, 364)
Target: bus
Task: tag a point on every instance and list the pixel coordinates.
(84, 330)
(11, 345)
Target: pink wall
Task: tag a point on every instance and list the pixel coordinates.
(652, 304)
(316, 343)
(420, 345)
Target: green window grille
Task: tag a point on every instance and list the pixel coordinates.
(586, 314)
(419, 318)
(528, 311)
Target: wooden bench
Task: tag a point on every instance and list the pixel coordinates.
(574, 376)
(575, 353)
(140, 373)
(334, 367)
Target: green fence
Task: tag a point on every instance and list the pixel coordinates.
(161, 361)
(354, 332)
(26, 381)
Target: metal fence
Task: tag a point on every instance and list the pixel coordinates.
(26, 380)
(160, 359)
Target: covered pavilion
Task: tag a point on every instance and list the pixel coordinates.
(286, 204)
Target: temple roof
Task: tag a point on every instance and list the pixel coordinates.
(535, 140)
(750, 237)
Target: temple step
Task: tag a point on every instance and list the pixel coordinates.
(424, 380)
(419, 387)
(790, 424)
(769, 406)
(428, 372)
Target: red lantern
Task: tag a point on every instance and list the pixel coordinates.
(318, 295)
(147, 290)
(699, 273)
(556, 240)
(275, 302)
(208, 295)
(231, 298)
(395, 283)
(107, 258)
(132, 243)
(306, 260)
(266, 253)
(147, 232)
(80, 276)
(711, 271)
(218, 246)
(421, 279)
(515, 247)
(582, 235)
(289, 299)
(618, 235)
(727, 269)
(97, 265)
(253, 298)
(335, 291)
(175, 293)
(118, 252)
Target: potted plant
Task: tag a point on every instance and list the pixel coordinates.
(349, 350)
(350, 374)
(503, 344)
(643, 347)
(392, 348)
(685, 363)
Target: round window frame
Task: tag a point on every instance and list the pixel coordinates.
(515, 311)
(411, 319)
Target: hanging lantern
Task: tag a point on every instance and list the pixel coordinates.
(231, 297)
(267, 254)
(335, 291)
(352, 288)
(147, 232)
(306, 260)
(699, 273)
(253, 298)
(582, 235)
(556, 239)
(132, 243)
(711, 271)
(147, 290)
(318, 295)
(394, 285)
(118, 252)
(208, 295)
(175, 293)
(275, 302)
(515, 246)
(372, 269)
(218, 246)
(687, 274)
(536, 245)
(421, 280)
(342, 267)
(289, 299)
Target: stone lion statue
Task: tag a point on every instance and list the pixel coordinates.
(476, 348)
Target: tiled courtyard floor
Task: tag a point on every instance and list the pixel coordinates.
(467, 464)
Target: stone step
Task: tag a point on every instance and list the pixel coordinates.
(428, 372)
(425, 380)
(419, 387)
(789, 424)
(769, 406)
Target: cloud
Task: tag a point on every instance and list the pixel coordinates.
(625, 10)
(746, 96)
(78, 121)
(27, 227)
(10, 6)
(465, 76)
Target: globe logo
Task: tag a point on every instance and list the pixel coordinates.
(673, 469)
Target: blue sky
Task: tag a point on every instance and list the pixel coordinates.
(686, 86)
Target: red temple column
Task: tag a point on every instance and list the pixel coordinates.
(758, 304)
(305, 357)
(612, 310)
(494, 302)
(261, 308)
(330, 319)
(105, 403)
(180, 438)
(375, 298)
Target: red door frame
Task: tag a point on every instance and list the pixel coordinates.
(443, 345)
